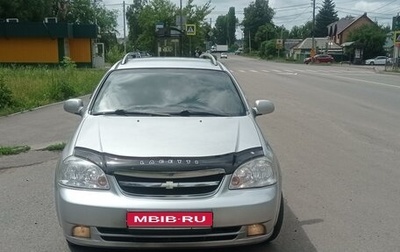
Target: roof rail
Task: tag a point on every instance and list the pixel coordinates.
(130, 55)
(209, 56)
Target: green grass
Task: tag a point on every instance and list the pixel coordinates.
(55, 147)
(34, 86)
(13, 150)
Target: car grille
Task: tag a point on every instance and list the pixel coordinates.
(169, 235)
(182, 183)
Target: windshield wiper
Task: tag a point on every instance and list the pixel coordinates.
(123, 112)
(196, 113)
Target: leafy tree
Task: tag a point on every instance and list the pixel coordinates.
(371, 38)
(196, 14)
(257, 14)
(301, 32)
(143, 16)
(265, 32)
(268, 49)
(154, 12)
(220, 30)
(231, 25)
(386, 29)
(26, 10)
(132, 16)
(88, 12)
(326, 16)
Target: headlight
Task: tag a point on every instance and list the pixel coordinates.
(77, 172)
(258, 172)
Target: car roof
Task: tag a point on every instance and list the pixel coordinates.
(207, 61)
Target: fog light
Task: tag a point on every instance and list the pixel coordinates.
(255, 229)
(81, 231)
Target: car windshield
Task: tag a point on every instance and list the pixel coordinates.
(174, 92)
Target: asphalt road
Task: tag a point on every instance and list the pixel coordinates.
(336, 131)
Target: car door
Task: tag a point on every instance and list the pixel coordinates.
(380, 60)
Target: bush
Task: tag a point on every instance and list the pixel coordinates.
(68, 63)
(114, 54)
(6, 99)
(60, 90)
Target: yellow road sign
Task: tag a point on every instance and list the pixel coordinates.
(190, 29)
(396, 38)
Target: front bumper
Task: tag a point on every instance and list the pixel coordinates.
(105, 213)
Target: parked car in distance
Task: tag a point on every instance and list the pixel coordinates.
(239, 51)
(379, 60)
(319, 58)
(144, 54)
(223, 55)
(168, 154)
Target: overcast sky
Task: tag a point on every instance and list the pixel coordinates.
(291, 12)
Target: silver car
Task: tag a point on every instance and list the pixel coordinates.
(379, 60)
(168, 154)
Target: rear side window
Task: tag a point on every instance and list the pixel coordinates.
(168, 91)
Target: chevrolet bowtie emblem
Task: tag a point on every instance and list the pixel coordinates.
(169, 185)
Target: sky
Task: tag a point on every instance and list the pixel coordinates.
(289, 12)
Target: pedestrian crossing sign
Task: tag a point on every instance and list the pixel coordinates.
(190, 29)
(397, 38)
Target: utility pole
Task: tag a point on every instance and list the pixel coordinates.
(249, 42)
(312, 31)
(124, 23)
(181, 25)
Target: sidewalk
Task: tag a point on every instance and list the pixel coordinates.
(38, 129)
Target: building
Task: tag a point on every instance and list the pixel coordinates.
(340, 30)
(322, 45)
(46, 42)
(289, 45)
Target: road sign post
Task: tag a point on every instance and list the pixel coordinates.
(190, 29)
(279, 46)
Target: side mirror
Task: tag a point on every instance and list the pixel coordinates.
(263, 107)
(74, 106)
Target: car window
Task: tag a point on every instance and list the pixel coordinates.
(169, 91)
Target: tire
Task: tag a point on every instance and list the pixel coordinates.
(372, 63)
(279, 223)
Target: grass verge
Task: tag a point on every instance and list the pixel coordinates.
(55, 147)
(13, 150)
(23, 88)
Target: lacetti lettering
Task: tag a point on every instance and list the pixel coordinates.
(169, 161)
(169, 219)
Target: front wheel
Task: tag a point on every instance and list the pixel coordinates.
(372, 63)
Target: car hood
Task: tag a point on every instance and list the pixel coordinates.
(167, 136)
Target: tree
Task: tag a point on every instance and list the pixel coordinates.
(196, 14)
(371, 38)
(301, 32)
(268, 49)
(326, 16)
(265, 32)
(220, 30)
(144, 15)
(132, 17)
(231, 26)
(27, 10)
(88, 12)
(257, 14)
